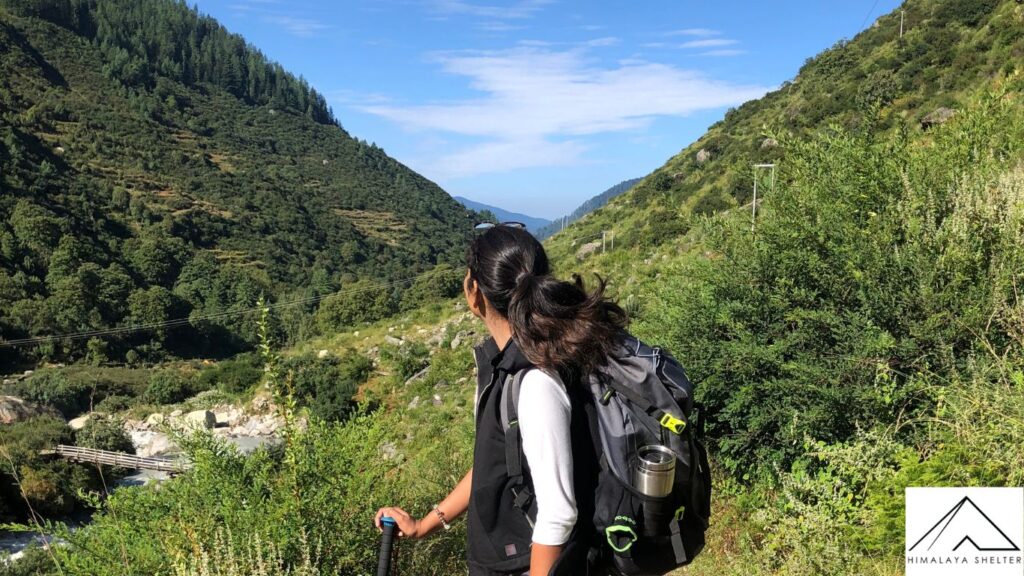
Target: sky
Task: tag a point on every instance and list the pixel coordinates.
(537, 105)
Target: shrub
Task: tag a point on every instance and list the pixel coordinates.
(872, 261)
(115, 403)
(167, 387)
(444, 281)
(405, 360)
(53, 388)
(233, 376)
(43, 490)
(361, 301)
(105, 434)
(35, 561)
(327, 385)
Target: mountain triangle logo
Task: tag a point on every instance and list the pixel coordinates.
(961, 525)
(953, 531)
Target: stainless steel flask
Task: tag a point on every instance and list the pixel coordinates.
(655, 471)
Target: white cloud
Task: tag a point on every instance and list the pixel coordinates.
(708, 43)
(606, 41)
(498, 26)
(537, 105)
(517, 10)
(505, 156)
(702, 43)
(304, 27)
(699, 32)
(726, 52)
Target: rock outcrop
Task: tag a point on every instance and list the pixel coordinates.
(587, 249)
(937, 117)
(14, 409)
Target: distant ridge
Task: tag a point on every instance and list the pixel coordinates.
(588, 206)
(533, 224)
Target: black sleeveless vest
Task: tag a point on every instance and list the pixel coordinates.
(499, 536)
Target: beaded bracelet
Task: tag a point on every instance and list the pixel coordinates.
(440, 516)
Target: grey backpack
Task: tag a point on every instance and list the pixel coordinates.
(640, 399)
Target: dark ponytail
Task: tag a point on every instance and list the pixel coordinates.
(558, 325)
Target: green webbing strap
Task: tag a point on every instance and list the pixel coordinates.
(617, 530)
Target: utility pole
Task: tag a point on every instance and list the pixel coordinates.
(753, 205)
(603, 235)
(902, 12)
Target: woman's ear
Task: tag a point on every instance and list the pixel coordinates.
(474, 297)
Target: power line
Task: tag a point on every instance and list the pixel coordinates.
(175, 322)
(868, 15)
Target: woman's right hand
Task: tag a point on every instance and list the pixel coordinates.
(408, 527)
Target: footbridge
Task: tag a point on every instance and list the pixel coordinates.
(109, 458)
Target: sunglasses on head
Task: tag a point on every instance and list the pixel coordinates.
(489, 225)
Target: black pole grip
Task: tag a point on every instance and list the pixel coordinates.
(387, 539)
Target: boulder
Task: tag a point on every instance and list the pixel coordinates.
(322, 354)
(587, 249)
(703, 155)
(80, 422)
(457, 341)
(200, 419)
(155, 419)
(394, 341)
(388, 450)
(936, 117)
(176, 413)
(437, 400)
(414, 403)
(769, 143)
(151, 444)
(222, 419)
(14, 409)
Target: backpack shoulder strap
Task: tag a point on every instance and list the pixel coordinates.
(522, 492)
(509, 406)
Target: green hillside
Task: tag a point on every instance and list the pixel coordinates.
(155, 166)
(876, 82)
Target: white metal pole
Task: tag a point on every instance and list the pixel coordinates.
(753, 205)
(603, 234)
(902, 12)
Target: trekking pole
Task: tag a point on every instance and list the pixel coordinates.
(387, 539)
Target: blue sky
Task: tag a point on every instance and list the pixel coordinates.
(537, 105)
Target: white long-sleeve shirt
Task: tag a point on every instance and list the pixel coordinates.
(544, 418)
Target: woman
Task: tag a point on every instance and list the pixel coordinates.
(557, 332)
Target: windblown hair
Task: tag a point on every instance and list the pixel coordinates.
(558, 325)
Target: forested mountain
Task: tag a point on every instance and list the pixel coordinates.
(532, 223)
(875, 83)
(588, 207)
(154, 166)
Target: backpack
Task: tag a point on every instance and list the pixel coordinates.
(640, 397)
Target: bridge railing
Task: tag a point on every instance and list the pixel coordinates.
(109, 458)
